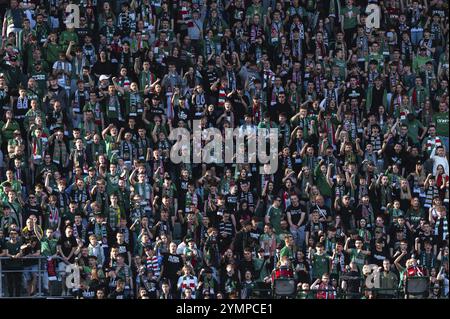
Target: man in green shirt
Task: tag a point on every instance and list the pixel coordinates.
(289, 249)
(111, 141)
(420, 60)
(323, 178)
(440, 120)
(273, 216)
(320, 261)
(414, 127)
(339, 61)
(49, 249)
(357, 255)
(67, 36)
(40, 76)
(349, 21)
(52, 49)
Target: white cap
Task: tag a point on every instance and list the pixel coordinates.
(103, 77)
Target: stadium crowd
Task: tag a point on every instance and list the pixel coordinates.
(359, 201)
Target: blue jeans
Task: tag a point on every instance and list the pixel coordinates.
(299, 236)
(416, 36)
(444, 140)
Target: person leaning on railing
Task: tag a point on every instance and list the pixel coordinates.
(388, 280)
(49, 250)
(31, 250)
(13, 266)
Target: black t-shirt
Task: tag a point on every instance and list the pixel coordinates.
(88, 293)
(377, 257)
(314, 228)
(67, 243)
(164, 227)
(353, 281)
(324, 212)
(155, 111)
(246, 265)
(117, 295)
(29, 250)
(172, 263)
(123, 249)
(422, 238)
(296, 213)
(31, 210)
(231, 202)
(254, 235)
(13, 249)
(346, 214)
(356, 93)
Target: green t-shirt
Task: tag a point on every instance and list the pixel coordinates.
(8, 132)
(112, 183)
(414, 216)
(48, 246)
(377, 57)
(260, 269)
(441, 121)
(321, 182)
(112, 107)
(320, 265)
(275, 218)
(350, 17)
(52, 53)
(418, 62)
(413, 130)
(111, 146)
(358, 257)
(286, 251)
(66, 37)
(342, 65)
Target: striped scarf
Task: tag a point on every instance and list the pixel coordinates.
(38, 149)
(338, 263)
(59, 152)
(114, 216)
(430, 193)
(444, 228)
(433, 142)
(53, 217)
(222, 96)
(152, 264)
(188, 282)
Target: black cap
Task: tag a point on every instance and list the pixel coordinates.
(207, 270)
(99, 214)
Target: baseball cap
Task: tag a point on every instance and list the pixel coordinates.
(207, 270)
(99, 213)
(103, 77)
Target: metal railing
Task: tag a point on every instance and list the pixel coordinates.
(340, 293)
(41, 261)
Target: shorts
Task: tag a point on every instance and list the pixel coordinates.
(29, 271)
